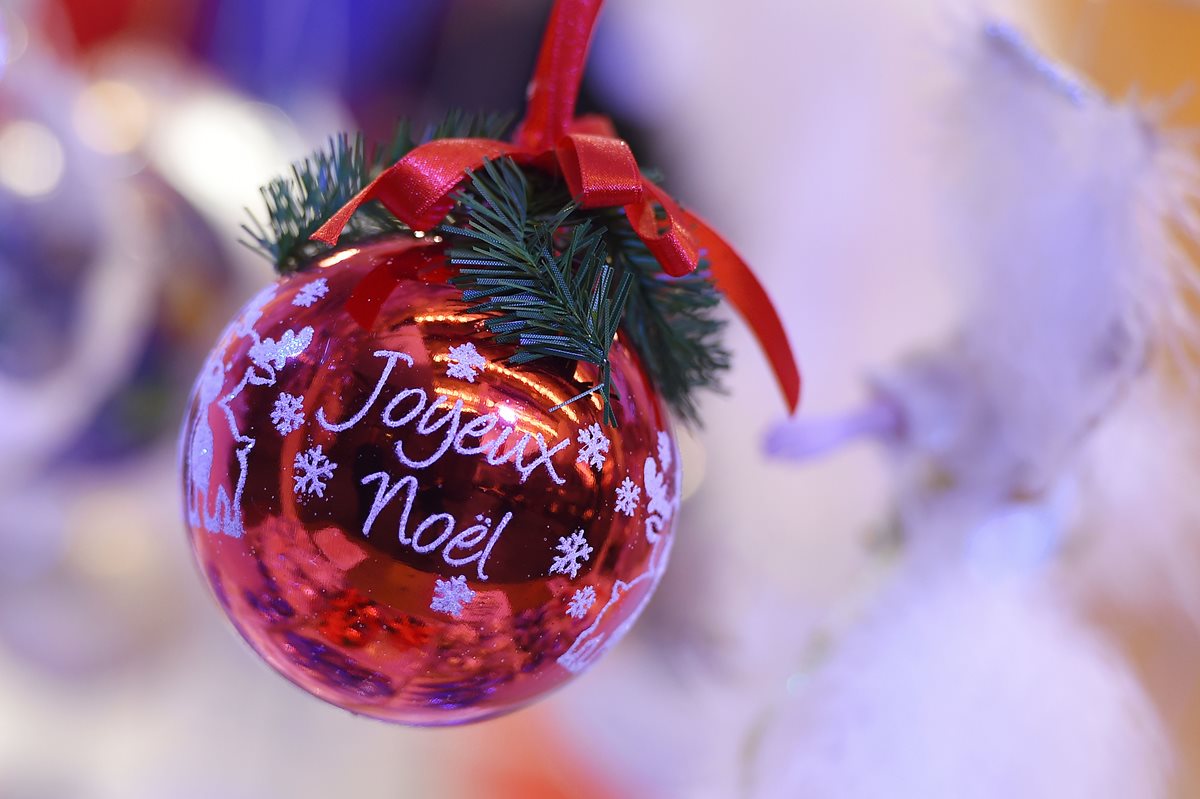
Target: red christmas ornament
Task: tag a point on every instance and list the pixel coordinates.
(403, 524)
(395, 514)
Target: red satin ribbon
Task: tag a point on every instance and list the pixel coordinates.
(600, 172)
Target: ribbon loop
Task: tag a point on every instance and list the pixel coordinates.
(600, 172)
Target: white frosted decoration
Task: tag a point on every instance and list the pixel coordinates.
(288, 413)
(666, 450)
(965, 687)
(270, 354)
(223, 513)
(465, 362)
(628, 497)
(449, 596)
(404, 408)
(309, 293)
(574, 551)
(312, 472)
(593, 446)
(591, 643)
(581, 602)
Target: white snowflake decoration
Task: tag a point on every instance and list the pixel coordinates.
(449, 596)
(288, 413)
(271, 354)
(592, 446)
(664, 451)
(312, 470)
(311, 292)
(628, 497)
(581, 602)
(575, 552)
(465, 360)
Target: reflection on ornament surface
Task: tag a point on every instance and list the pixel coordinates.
(395, 519)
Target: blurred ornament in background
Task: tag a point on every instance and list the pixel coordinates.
(371, 56)
(143, 411)
(73, 269)
(402, 524)
(364, 52)
(109, 278)
(107, 282)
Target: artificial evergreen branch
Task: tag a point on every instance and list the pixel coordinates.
(298, 204)
(551, 286)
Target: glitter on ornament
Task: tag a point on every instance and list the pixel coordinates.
(598, 638)
(664, 450)
(449, 596)
(575, 552)
(592, 446)
(271, 355)
(581, 602)
(223, 513)
(628, 497)
(310, 293)
(313, 468)
(660, 506)
(464, 361)
(288, 413)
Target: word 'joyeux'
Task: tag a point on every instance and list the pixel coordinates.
(466, 439)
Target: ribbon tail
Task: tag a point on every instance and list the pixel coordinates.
(739, 285)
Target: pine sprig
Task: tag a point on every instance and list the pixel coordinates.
(563, 280)
(299, 204)
(672, 323)
(551, 298)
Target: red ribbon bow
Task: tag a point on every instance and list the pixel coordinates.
(600, 172)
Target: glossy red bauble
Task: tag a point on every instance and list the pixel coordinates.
(397, 521)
